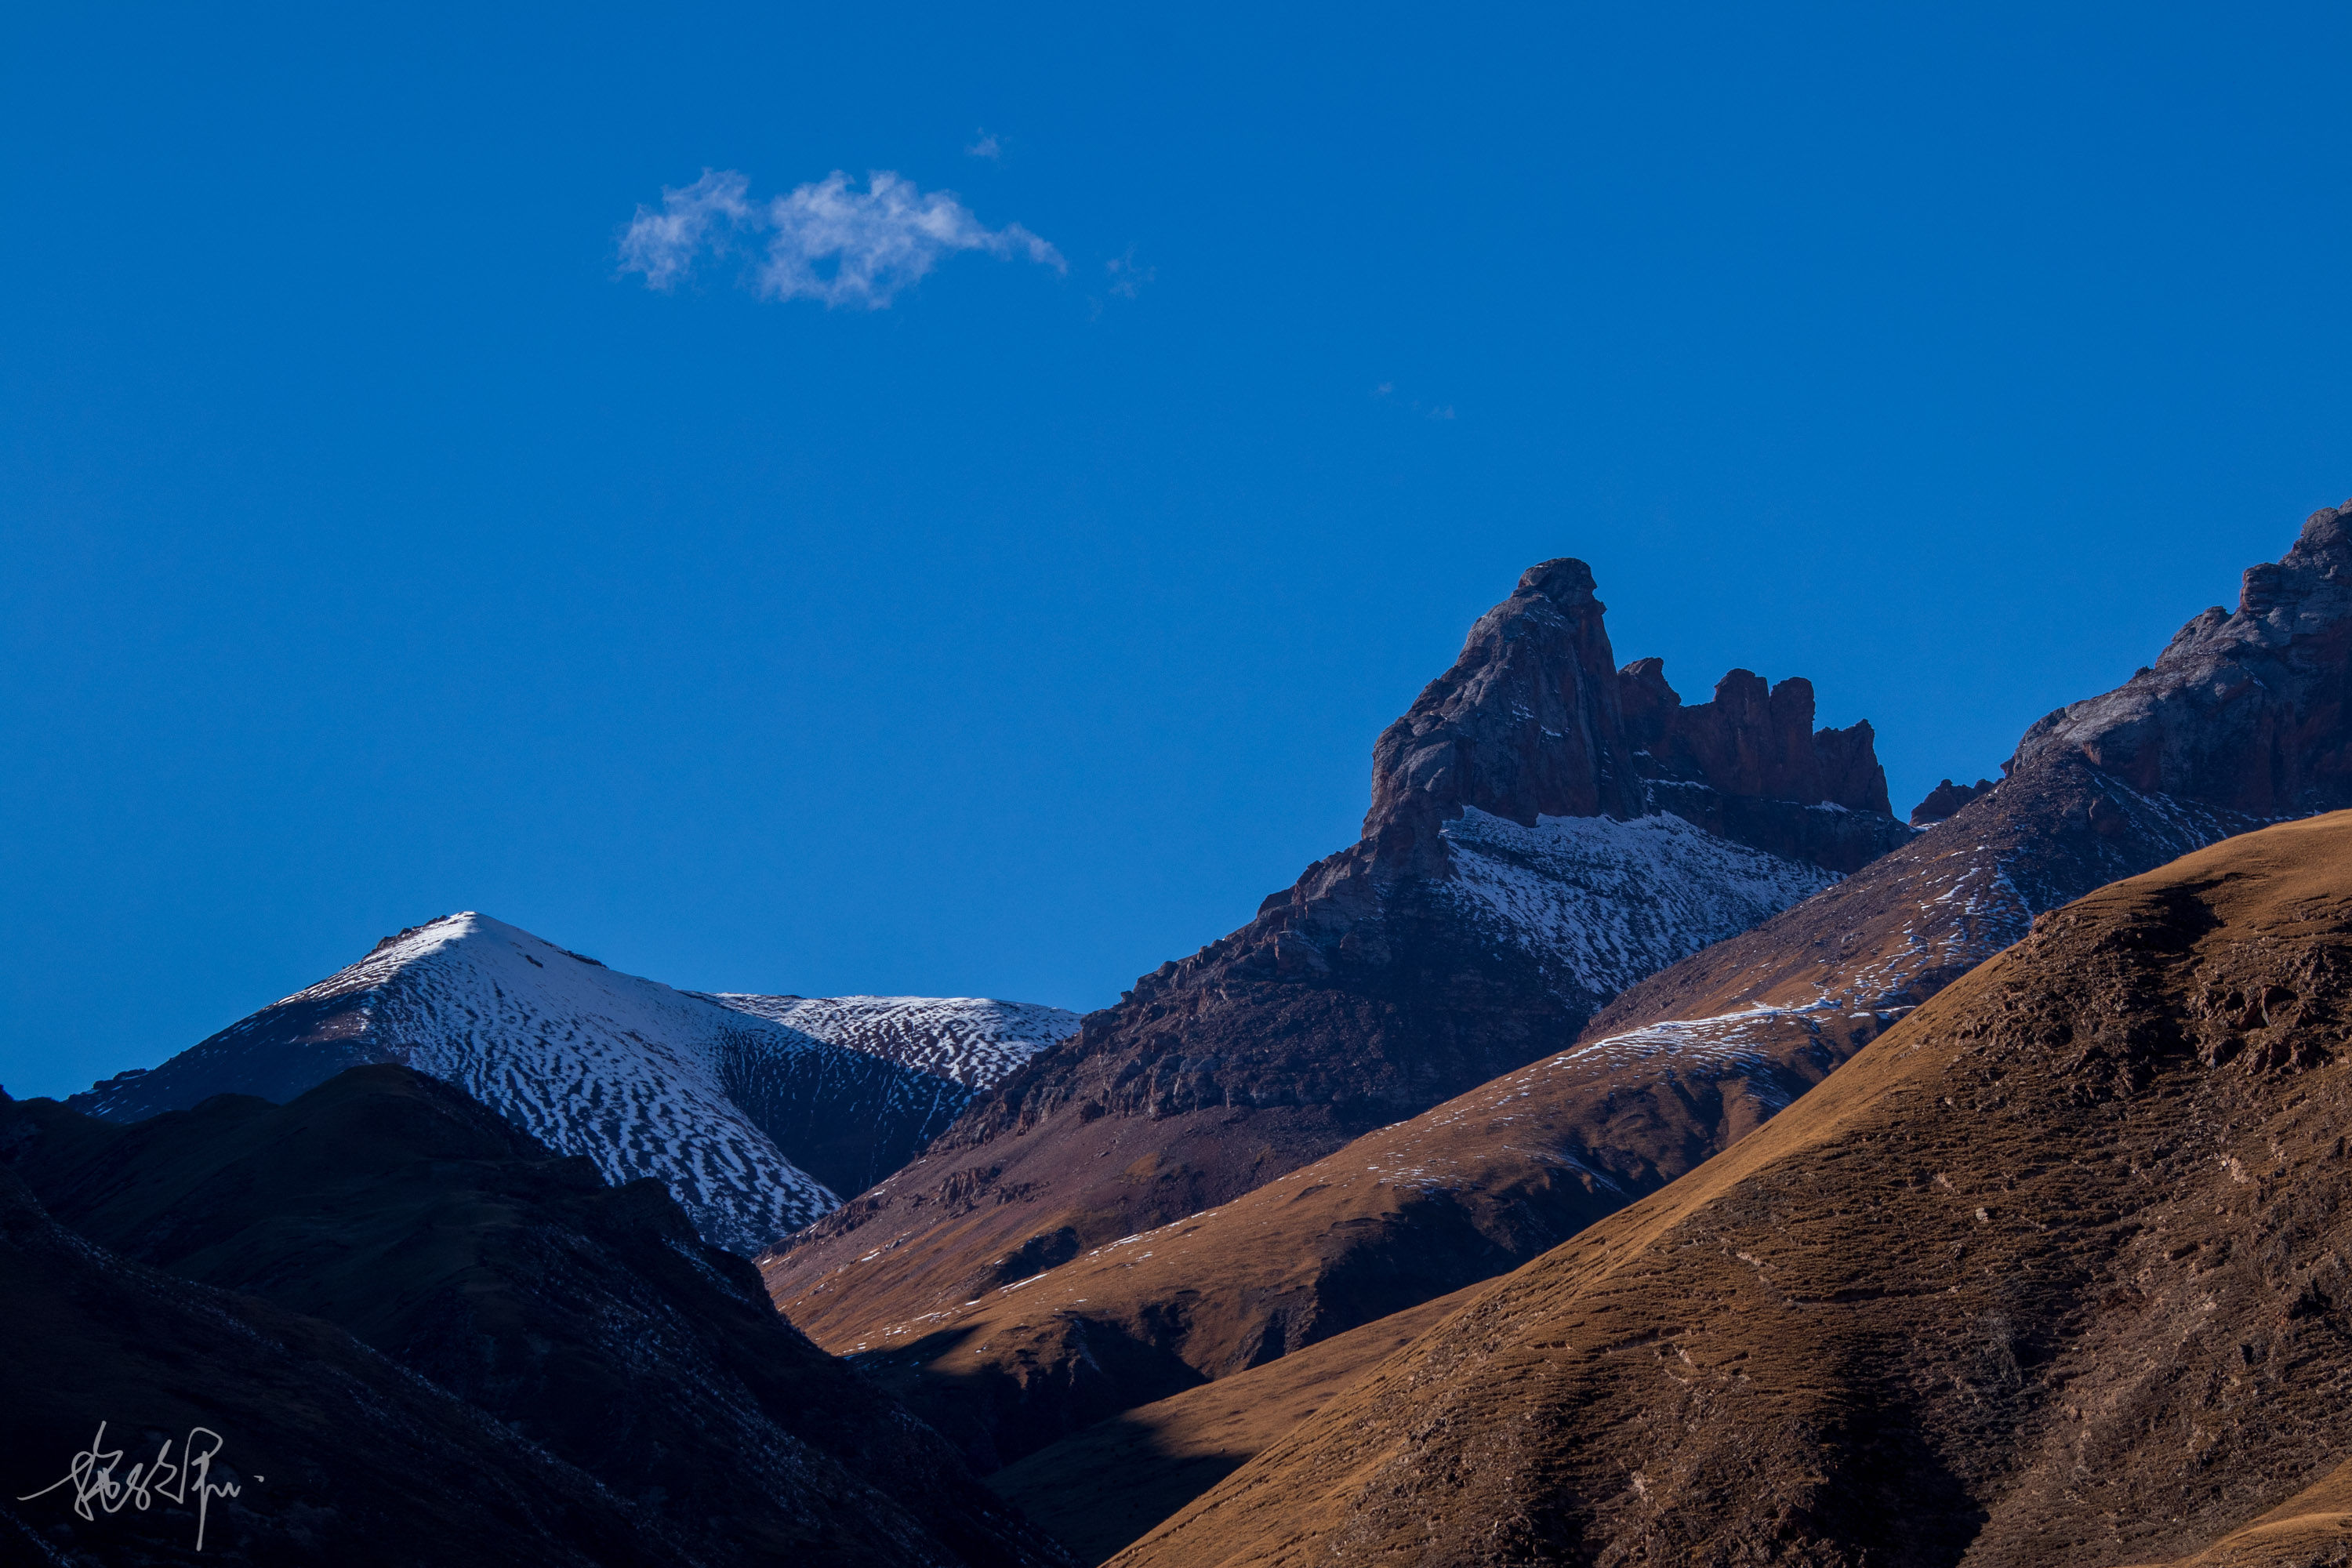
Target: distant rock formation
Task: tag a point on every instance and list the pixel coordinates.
(1946, 799)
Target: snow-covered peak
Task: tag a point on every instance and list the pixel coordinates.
(503, 954)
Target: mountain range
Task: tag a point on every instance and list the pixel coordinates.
(1640, 1145)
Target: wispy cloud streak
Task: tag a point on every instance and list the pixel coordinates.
(826, 240)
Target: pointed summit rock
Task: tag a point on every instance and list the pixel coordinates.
(1526, 724)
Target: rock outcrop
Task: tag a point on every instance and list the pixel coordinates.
(2247, 712)
(1532, 722)
(1531, 848)
(1944, 800)
(1526, 724)
(1750, 766)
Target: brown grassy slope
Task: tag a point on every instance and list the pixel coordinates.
(2059, 1270)
(1100, 1488)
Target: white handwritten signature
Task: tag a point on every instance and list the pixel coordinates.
(91, 1476)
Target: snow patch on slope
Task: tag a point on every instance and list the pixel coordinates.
(1605, 903)
(975, 1041)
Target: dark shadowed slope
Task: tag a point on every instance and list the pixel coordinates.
(1545, 829)
(336, 1454)
(2057, 1270)
(589, 1318)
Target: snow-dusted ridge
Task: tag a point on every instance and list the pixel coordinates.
(976, 1041)
(702, 1094)
(1604, 903)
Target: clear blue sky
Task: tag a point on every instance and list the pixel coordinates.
(375, 546)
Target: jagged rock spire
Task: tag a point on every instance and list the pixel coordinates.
(1535, 719)
(1525, 724)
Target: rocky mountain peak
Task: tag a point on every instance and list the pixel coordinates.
(1535, 719)
(1525, 724)
(2246, 710)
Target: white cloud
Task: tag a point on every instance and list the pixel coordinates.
(985, 146)
(663, 244)
(825, 241)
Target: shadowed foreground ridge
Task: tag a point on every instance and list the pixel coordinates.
(587, 1321)
(2058, 1269)
(338, 1454)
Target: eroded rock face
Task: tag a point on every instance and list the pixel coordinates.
(1526, 723)
(1754, 738)
(1533, 721)
(1750, 766)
